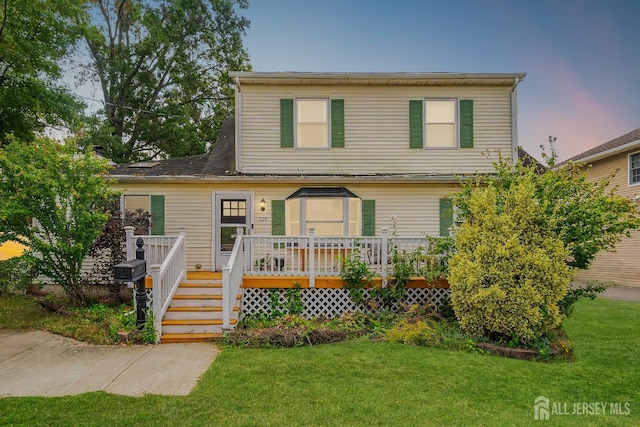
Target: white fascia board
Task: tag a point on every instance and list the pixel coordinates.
(610, 152)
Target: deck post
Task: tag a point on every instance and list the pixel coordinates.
(312, 258)
(183, 232)
(130, 244)
(226, 296)
(156, 292)
(384, 255)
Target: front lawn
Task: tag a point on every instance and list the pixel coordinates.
(380, 383)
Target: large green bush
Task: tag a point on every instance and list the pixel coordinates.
(510, 270)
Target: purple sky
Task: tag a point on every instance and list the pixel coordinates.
(582, 57)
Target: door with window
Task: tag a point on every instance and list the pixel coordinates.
(233, 211)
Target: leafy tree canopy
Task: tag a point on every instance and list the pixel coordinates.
(34, 36)
(587, 216)
(54, 201)
(163, 70)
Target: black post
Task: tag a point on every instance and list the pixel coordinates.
(141, 294)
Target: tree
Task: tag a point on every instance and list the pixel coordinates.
(34, 36)
(163, 70)
(586, 216)
(53, 200)
(509, 273)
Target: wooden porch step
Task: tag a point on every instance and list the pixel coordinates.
(205, 297)
(199, 309)
(201, 297)
(176, 322)
(201, 285)
(204, 275)
(183, 338)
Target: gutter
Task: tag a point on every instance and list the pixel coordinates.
(288, 179)
(238, 120)
(514, 119)
(375, 76)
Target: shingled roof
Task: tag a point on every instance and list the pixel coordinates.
(614, 145)
(220, 161)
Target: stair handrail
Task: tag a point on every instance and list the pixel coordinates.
(232, 278)
(166, 278)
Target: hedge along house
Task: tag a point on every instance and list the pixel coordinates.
(313, 164)
(622, 154)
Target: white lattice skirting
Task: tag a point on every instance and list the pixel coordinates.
(332, 302)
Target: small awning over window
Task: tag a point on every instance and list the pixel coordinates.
(323, 192)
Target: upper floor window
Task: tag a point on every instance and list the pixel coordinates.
(312, 124)
(440, 122)
(634, 169)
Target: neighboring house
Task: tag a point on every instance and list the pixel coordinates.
(345, 154)
(621, 267)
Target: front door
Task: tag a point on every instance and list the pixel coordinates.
(232, 210)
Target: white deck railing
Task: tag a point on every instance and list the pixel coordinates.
(322, 256)
(232, 278)
(166, 257)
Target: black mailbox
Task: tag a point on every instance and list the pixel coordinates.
(130, 270)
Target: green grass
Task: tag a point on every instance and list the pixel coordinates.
(381, 383)
(92, 324)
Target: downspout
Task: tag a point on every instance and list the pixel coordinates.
(514, 121)
(238, 119)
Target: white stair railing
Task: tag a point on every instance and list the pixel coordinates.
(232, 279)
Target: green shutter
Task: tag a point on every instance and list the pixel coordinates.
(337, 123)
(466, 123)
(157, 215)
(368, 217)
(446, 216)
(416, 126)
(286, 123)
(277, 218)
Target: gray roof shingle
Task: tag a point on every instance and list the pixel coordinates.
(618, 142)
(220, 161)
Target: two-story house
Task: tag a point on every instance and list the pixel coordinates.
(345, 154)
(621, 154)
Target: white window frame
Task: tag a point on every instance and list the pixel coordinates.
(456, 123)
(346, 223)
(123, 209)
(327, 144)
(630, 173)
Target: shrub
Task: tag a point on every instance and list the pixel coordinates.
(355, 274)
(573, 295)
(509, 273)
(16, 274)
(415, 333)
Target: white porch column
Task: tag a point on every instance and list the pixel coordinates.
(312, 258)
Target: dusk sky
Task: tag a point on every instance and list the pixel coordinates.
(582, 57)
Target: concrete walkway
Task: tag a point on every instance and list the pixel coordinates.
(44, 364)
(619, 292)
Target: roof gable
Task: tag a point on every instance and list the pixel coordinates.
(628, 140)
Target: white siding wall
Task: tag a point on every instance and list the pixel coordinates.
(415, 206)
(376, 131)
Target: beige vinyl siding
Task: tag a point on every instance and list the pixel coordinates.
(184, 205)
(376, 120)
(415, 207)
(621, 267)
